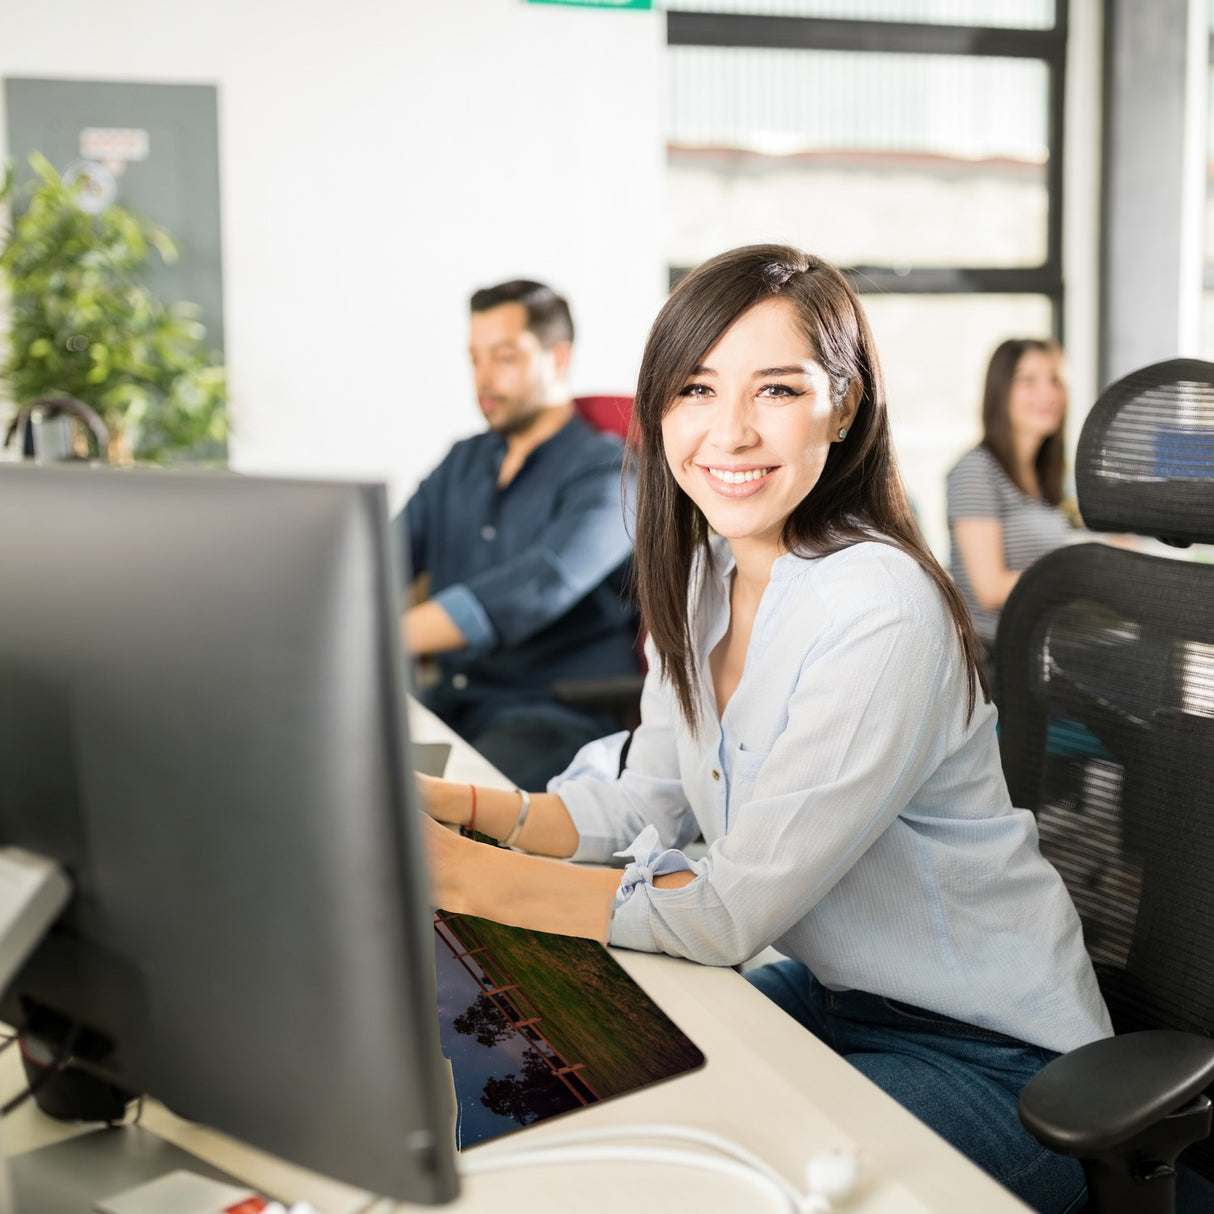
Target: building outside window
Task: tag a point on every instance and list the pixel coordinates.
(1207, 312)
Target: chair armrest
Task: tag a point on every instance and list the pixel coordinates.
(607, 693)
(1103, 1094)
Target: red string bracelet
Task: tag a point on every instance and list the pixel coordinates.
(472, 818)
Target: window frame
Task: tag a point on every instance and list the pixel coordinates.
(1207, 284)
(1048, 45)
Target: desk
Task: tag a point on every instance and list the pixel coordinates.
(767, 1084)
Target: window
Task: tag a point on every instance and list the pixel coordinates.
(915, 143)
(1207, 312)
(1008, 14)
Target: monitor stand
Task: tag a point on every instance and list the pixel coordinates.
(67, 1177)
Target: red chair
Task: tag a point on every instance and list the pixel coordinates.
(611, 414)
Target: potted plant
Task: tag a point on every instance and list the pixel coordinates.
(82, 325)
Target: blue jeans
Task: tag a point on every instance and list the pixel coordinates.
(960, 1080)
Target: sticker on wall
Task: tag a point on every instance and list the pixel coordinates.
(114, 145)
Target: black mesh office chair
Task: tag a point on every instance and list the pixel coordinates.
(1105, 660)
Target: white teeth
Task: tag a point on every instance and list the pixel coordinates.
(739, 478)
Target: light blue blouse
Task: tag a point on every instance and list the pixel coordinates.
(855, 818)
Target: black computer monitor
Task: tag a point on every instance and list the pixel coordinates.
(202, 719)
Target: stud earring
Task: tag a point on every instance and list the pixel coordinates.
(842, 433)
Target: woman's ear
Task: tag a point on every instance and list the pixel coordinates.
(846, 412)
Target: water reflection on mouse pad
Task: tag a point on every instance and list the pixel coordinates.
(536, 1024)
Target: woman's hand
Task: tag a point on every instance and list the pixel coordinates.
(470, 878)
(444, 800)
(427, 787)
(549, 830)
(442, 862)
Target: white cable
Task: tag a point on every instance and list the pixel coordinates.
(636, 1154)
(706, 1138)
(828, 1183)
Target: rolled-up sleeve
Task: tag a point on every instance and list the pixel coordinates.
(646, 858)
(458, 601)
(469, 616)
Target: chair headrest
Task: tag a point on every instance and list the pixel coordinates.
(1145, 460)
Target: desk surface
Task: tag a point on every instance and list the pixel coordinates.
(767, 1084)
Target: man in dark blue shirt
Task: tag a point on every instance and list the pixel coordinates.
(522, 534)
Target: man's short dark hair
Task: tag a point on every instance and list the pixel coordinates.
(548, 315)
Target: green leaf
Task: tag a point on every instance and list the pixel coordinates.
(83, 322)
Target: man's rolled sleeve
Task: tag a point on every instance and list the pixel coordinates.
(469, 617)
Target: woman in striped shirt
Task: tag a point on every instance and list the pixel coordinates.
(1005, 496)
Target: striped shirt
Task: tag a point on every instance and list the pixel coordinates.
(979, 488)
(855, 816)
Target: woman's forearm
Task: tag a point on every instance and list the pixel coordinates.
(980, 543)
(521, 890)
(548, 831)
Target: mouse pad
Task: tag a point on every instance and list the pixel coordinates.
(536, 1024)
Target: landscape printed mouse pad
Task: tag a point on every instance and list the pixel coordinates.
(536, 1024)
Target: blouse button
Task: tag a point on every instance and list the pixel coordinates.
(488, 531)
(716, 775)
(459, 681)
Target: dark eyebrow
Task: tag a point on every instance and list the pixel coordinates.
(795, 369)
(764, 373)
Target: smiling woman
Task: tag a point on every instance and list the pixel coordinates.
(813, 712)
(791, 327)
(747, 439)
(747, 436)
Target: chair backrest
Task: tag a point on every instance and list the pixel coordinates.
(612, 414)
(1105, 661)
(53, 428)
(1146, 454)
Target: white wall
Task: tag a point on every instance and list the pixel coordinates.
(379, 160)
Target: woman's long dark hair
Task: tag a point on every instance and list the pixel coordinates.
(859, 495)
(1050, 464)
